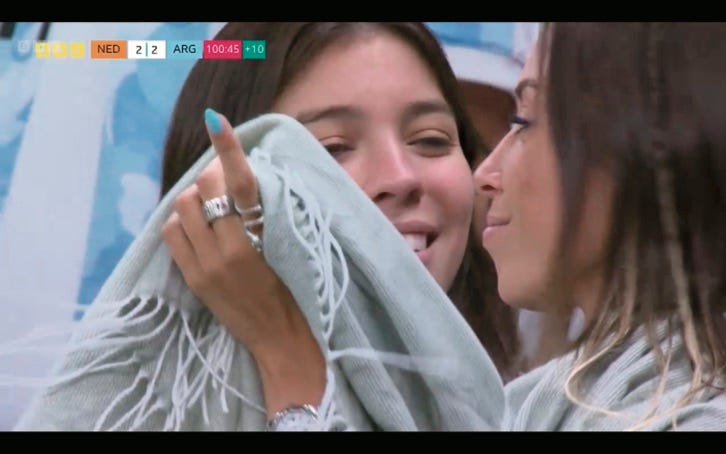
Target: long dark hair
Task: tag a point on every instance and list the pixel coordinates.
(646, 102)
(243, 89)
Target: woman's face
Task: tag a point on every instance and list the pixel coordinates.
(521, 177)
(375, 105)
(490, 109)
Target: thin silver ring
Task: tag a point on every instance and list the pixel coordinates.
(247, 212)
(248, 221)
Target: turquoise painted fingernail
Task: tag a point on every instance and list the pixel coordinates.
(213, 121)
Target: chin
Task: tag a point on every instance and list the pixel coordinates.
(444, 281)
(509, 299)
(444, 277)
(516, 296)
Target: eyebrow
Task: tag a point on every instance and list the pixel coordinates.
(348, 112)
(419, 108)
(343, 112)
(524, 83)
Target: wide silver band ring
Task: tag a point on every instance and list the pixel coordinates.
(216, 208)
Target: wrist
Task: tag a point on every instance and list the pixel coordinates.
(292, 371)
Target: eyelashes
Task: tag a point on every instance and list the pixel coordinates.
(336, 149)
(433, 144)
(522, 122)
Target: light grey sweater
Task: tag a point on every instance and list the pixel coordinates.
(149, 356)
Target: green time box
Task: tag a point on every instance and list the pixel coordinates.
(254, 49)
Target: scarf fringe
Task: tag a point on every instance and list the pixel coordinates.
(312, 231)
(205, 351)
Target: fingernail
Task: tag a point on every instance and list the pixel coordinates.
(213, 121)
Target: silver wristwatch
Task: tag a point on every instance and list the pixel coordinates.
(297, 418)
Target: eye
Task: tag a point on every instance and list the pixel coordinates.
(522, 122)
(336, 149)
(432, 145)
(436, 142)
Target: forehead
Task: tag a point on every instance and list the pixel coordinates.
(529, 78)
(363, 70)
(531, 66)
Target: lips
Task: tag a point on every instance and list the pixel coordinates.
(496, 221)
(494, 224)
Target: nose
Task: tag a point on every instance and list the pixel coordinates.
(488, 175)
(393, 177)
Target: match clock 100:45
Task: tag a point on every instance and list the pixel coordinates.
(223, 49)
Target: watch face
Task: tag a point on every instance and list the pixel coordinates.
(296, 418)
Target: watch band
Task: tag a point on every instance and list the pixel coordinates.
(294, 419)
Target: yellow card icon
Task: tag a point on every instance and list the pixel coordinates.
(42, 49)
(77, 49)
(60, 49)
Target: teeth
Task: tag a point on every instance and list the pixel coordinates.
(417, 241)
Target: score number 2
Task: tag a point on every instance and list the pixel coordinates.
(142, 52)
(147, 49)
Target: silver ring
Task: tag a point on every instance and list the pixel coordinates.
(216, 208)
(247, 212)
(248, 221)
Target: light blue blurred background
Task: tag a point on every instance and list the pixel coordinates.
(80, 154)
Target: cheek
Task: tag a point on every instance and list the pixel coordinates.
(451, 186)
(531, 196)
(539, 207)
(450, 189)
(355, 169)
(534, 189)
(540, 229)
